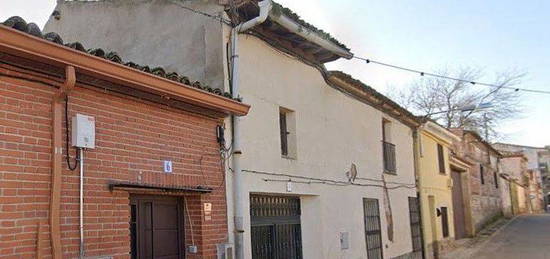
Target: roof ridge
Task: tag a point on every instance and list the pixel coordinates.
(20, 24)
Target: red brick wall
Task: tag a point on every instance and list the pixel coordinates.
(132, 136)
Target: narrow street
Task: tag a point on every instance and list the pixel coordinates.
(525, 237)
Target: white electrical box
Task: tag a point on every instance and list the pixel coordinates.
(83, 131)
(344, 240)
(225, 251)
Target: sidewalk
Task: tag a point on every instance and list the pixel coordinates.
(464, 248)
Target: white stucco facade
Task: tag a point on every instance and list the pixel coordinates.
(333, 130)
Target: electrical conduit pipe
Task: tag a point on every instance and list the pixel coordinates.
(57, 154)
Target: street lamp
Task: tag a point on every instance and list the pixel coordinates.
(466, 108)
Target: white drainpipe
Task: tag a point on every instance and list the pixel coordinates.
(239, 195)
(81, 201)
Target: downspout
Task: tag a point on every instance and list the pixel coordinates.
(81, 201)
(57, 154)
(416, 165)
(239, 195)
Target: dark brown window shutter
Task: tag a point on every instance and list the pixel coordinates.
(445, 221)
(481, 174)
(284, 134)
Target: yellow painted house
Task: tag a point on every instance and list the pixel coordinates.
(435, 187)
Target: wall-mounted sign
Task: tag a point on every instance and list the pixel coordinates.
(207, 211)
(167, 166)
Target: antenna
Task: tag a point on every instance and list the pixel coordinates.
(352, 173)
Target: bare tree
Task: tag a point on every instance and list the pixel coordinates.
(444, 100)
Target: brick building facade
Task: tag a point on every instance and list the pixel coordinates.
(483, 179)
(138, 127)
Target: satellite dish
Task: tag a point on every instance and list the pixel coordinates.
(352, 173)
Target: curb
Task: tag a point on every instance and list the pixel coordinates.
(490, 237)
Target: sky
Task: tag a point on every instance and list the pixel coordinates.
(425, 35)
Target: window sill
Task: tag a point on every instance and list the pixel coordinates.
(288, 157)
(390, 172)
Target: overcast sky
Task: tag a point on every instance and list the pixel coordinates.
(426, 35)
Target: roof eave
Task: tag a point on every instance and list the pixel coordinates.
(375, 100)
(482, 141)
(440, 131)
(308, 34)
(26, 45)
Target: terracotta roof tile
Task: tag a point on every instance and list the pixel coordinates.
(368, 89)
(20, 24)
(292, 15)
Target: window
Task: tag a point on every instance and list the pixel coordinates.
(373, 230)
(388, 148)
(481, 174)
(284, 133)
(444, 221)
(287, 127)
(495, 175)
(441, 158)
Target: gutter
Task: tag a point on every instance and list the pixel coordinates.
(309, 35)
(266, 10)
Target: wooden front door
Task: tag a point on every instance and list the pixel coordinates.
(458, 206)
(156, 227)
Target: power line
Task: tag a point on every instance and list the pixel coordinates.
(211, 16)
(338, 184)
(422, 73)
(368, 60)
(332, 181)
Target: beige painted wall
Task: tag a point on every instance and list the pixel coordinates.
(433, 183)
(332, 131)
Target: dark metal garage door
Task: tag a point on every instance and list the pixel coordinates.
(275, 227)
(156, 228)
(416, 228)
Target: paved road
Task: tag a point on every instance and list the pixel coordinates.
(526, 237)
